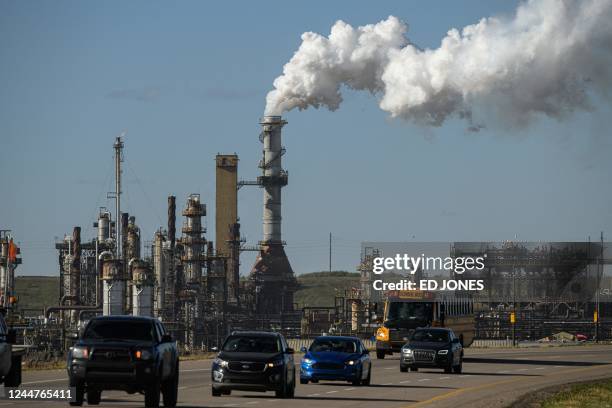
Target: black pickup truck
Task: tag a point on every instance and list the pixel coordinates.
(133, 354)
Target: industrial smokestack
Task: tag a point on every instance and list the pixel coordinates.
(272, 274)
(172, 220)
(547, 59)
(274, 177)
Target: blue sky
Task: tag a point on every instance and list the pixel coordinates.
(188, 80)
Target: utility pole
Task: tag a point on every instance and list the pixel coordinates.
(330, 251)
(599, 274)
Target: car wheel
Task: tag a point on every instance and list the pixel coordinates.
(357, 380)
(380, 354)
(152, 394)
(215, 392)
(170, 389)
(284, 391)
(94, 397)
(448, 369)
(79, 395)
(403, 369)
(303, 381)
(368, 379)
(458, 368)
(13, 378)
(314, 381)
(291, 389)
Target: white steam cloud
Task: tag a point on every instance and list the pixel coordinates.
(546, 59)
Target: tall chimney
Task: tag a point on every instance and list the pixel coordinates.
(172, 220)
(272, 274)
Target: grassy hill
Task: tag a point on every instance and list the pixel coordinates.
(37, 291)
(319, 288)
(315, 289)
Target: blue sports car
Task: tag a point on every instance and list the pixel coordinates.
(336, 358)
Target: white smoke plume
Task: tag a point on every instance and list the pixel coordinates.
(544, 60)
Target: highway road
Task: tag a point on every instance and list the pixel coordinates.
(491, 378)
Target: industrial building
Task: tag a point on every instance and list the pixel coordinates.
(192, 286)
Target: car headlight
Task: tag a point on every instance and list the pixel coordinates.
(442, 352)
(143, 355)
(307, 360)
(407, 351)
(352, 362)
(275, 363)
(80, 352)
(220, 362)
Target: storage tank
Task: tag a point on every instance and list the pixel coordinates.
(104, 223)
(142, 288)
(113, 288)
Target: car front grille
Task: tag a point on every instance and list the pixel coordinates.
(424, 355)
(246, 366)
(322, 365)
(114, 355)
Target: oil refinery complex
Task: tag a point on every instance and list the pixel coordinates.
(194, 285)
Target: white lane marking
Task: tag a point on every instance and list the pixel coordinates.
(387, 383)
(230, 405)
(444, 378)
(331, 392)
(539, 368)
(349, 389)
(45, 381)
(522, 369)
(424, 379)
(558, 366)
(184, 387)
(465, 375)
(193, 370)
(252, 402)
(503, 372)
(313, 395)
(390, 368)
(404, 382)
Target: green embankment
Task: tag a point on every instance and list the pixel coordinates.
(37, 292)
(315, 289)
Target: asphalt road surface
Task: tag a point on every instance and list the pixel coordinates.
(490, 378)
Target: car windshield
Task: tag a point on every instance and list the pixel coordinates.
(406, 311)
(252, 344)
(430, 336)
(119, 330)
(337, 345)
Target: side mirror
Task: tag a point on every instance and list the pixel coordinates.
(11, 336)
(166, 338)
(290, 350)
(456, 340)
(366, 351)
(303, 349)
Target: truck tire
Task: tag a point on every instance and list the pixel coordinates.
(94, 397)
(152, 394)
(13, 378)
(380, 354)
(79, 395)
(170, 389)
